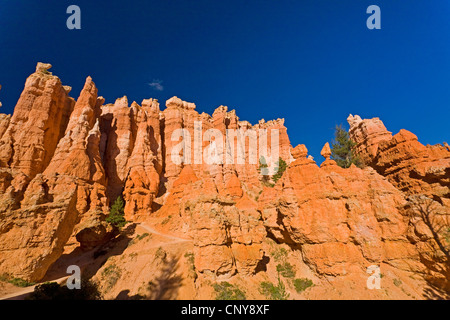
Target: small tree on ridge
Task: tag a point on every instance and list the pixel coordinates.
(342, 149)
(116, 214)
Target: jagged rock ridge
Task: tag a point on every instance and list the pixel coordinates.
(64, 161)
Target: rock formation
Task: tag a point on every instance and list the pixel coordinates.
(326, 151)
(409, 165)
(101, 152)
(198, 180)
(38, 123)
(37, 220)
(340, 218)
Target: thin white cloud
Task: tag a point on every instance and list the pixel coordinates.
(156, 85)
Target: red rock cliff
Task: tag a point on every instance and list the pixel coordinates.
(63, 162)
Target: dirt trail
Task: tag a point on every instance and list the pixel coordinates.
(174, 238)
(24, 291)
(27, 290)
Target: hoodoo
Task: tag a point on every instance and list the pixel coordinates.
(201, 229)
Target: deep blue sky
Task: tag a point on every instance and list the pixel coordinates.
(311, 62)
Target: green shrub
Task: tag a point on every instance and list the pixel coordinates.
(166, 220)
(268, 184)
(447, 235)
(133, 255)
(397, 282)
(112, 274)
(116, 214)
(263, 170)
(160, 254)
(191, 260)
(280, 255)
(227, 291)
(54, 291)
(286, 270)
(263, 167)
(342, 149)
(18, 282)
(302, 284)
(273, 292)
(281, 168)
(143, 236)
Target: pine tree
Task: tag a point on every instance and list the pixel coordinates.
(281, 168)
(263, 170)
(263, 167)
(116, 214)
(342, 149)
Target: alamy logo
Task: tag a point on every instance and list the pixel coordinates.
(374, 281)
(74, 21)
(374, 21)
(74, 281)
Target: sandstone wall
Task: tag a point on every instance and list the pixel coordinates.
(98, 152)
(63, 162)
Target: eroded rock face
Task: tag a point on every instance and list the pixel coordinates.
(413, 167)
(241, 143)
(4, 123)
(226, 230)
(131, 149)
(409, 165)
(94, 231)
(46, 199)
(38, 123)
(343, 219)
(227, 236)
(367, 134)
(36, 222)
(62, 163)
(420, 172)
(77, 154)
(101, 152)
